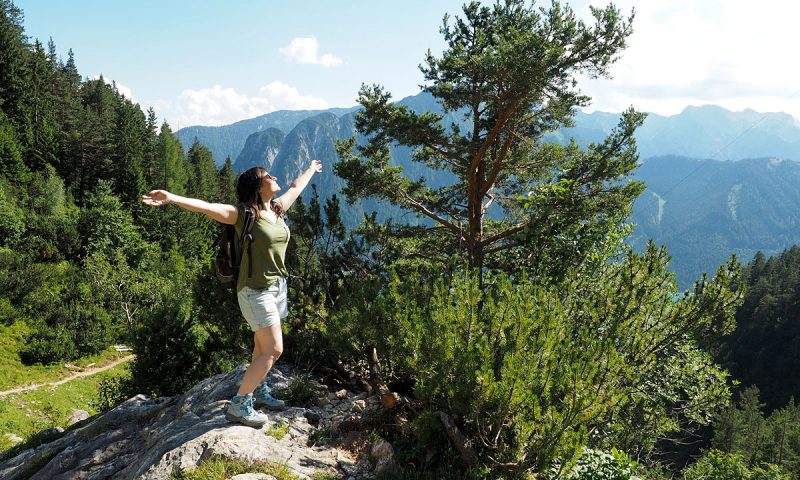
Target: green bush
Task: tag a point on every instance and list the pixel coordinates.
(111, 392)
(75, 325)
(600, 465)
(724, 466)
(49, 345)
(527, 369)
(182, 338)
(12, 224)
(302, 391)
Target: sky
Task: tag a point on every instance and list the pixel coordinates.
(205, 62)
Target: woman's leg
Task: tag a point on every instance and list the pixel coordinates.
(268, 347)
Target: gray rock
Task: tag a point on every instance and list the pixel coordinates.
(77, 416)
(148, 439)
(46, 435)
(382, 454)
(14, 438)
(313, 417)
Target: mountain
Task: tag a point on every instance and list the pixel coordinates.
(230, 139)
(706, 210)
(703, 210)
(260, 149)
(699, 132)
(707, 131)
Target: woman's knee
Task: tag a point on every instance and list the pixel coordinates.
(277, 351)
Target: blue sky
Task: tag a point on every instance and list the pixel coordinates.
(214, 63)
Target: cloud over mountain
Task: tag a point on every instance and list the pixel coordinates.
(219, 105)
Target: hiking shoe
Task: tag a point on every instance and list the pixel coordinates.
(263, 398)
(241, 411)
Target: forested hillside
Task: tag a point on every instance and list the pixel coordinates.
(706, 210)
(82, 263)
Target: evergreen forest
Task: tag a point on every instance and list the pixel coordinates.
(536, 344)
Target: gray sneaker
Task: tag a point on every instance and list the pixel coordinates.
(241, 411)
(263, 398)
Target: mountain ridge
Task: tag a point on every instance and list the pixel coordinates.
(704, 131)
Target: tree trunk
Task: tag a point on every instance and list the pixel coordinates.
(468, 455)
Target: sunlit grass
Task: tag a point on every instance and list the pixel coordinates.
(277, 431)
(13, 373)
(222, 468)
(26, 413)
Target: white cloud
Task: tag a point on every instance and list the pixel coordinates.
(304, 50)
(216, 105)
(288, 98)
(691, 52)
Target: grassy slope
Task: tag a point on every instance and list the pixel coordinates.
(14, 374)
(24, 414)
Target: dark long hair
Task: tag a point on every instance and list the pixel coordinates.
(247, 186)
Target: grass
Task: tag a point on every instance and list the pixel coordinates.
(301, 391)
(277, 431)
(13, 373)
(26, 413)
(221, 468)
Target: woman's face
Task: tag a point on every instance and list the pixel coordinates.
(269, 186)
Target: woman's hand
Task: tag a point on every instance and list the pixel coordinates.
(316, 165)
(157, 198)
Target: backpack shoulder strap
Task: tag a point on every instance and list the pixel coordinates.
(247, 228)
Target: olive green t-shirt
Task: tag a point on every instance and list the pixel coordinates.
(270, 239)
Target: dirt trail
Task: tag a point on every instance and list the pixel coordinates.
(85, 373)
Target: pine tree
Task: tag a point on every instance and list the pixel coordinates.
(227, 182)
(13, 58)
(43, 148)
(52, 55)
(204, 183)
(130, 150)
(509, 71)
(11, 165)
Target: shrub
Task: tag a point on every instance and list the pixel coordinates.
(600, 465)
(49, 345)
(718, 465)
(302, 390)
(527, 369)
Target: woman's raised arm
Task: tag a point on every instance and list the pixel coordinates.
(220, 212)
(296, 188)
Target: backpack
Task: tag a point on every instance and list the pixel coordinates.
(231, 247)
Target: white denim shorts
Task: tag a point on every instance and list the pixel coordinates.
(264, 308)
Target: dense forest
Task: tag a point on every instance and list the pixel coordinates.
(546, 344)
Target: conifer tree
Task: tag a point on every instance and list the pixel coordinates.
(131, 144)
(227, 182)
(13, 57)
(42, 135)
(509, 71)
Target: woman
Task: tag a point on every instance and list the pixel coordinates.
(261, 286)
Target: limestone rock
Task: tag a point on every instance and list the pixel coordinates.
(148, 439)
(382, 454)
(77, 416)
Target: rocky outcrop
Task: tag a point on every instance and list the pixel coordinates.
(260, 150)
(150, 438)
